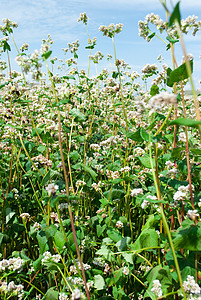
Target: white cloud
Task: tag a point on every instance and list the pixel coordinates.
(38, 18)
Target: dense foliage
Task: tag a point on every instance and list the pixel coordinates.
(100, 176)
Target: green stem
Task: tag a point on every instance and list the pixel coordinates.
(120, 84)
(165, 221)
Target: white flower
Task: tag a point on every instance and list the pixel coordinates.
(190, 286)
(136, 192)
(126, 271)
(76, 294)
(63, 296)
(157, 101)
(192, 214)
(119, 224)
(156, 289)
(44, 48)
(83, 17)
(125, 169)
(25, 216)
(48, 257)
(51, 189)
(144, 204)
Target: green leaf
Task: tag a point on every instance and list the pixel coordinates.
(188, 236)
(175, 15)
(123, 243)
(128, 257)
(135, 136)
(184, 262)
(185, 122)
(77, 115)
(52, 294)
(114, 235)
(106, 252)
(41, 148)
(1, 238)
(180, 73)
(114, 194)
(106, 298)
(145, 160)
(195, 151)
(47, 54)
(75, 55)
(162, 273)
(50, 232)
(42, 241)
(74, 155)
(69, 77)
(53, 266)
(37, 263)
(90, 171)
(148, 238)
(154, 90)
(115, 74)
(90, 47)
(99, 282)
(176, 152)
(46, 178)
(6, 46)
(151, 35)
(9, 215)
(117, 275)
(18, 227)
(144, 134)
(100, 229)
(169, 82)
(149, 295)
(171, 40)
(149, 223)
(4, 84)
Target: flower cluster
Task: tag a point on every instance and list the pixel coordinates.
(159, 100)
(96, 57)
(42, 160)
(7, 26)
(83, 18)
(136, 192)
(156, 289)
(111, 29)
(48, 257)
(12, 264)
(25, 216)
(181, 194)
(192, 214)
(191, 287)
(12, 289)
(52, 189)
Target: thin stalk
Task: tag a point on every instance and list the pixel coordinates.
(165, 224)
(188, 66)
(189, 71)
(29, 156)
(142, 283)
(187, 151)
(64, 278)
(25, 83)
(89, 51)
(120, 84)
(9, 65)
(67, 186)
(165, 121)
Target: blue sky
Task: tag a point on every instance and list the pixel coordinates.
(38, 18)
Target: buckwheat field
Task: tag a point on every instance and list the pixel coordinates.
(100, 185)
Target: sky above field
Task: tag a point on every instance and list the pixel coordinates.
(38, 18)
